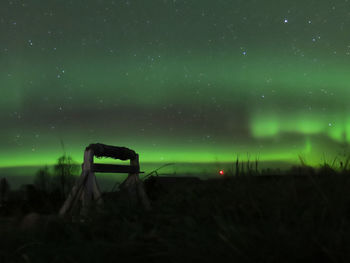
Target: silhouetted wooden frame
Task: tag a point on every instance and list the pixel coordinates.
(86, 188)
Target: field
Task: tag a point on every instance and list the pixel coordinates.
(302, 215)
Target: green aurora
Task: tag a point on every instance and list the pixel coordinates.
(177, 81)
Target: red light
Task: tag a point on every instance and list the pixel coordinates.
(221, 172)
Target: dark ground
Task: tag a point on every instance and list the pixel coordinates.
(298, 217)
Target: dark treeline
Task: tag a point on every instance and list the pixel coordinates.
(51, 187)
(47, 192)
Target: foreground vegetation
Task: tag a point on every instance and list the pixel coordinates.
(300, 216)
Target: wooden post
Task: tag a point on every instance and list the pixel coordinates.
(85, 189)
(134, 186)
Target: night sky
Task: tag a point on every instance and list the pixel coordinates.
(175, 80)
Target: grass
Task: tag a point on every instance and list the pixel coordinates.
(301, 216)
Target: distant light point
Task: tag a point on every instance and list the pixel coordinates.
(221, 172)
(285, 21)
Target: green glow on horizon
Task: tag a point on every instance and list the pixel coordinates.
(285, 153)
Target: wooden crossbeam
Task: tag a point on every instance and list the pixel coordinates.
(115, 168)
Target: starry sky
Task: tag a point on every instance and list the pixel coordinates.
(175, 80)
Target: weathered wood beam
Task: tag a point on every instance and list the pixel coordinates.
(102, 150)
(114, 168)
